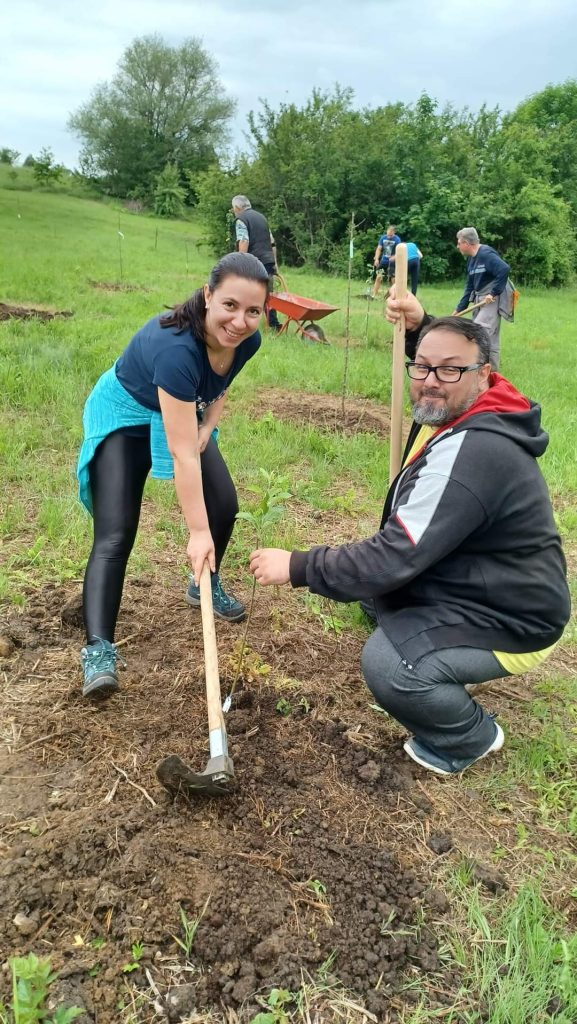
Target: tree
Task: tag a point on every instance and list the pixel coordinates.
(46, 171)
(168, 193)
(8, 156)
(552, 114)
(165, 105)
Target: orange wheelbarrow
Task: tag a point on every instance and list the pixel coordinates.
(300, 311)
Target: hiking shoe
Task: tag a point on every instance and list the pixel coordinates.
(442, 763)
(225, 605)
(99, 667)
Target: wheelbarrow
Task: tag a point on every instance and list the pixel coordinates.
(300, 311)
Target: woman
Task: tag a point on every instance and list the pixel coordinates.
(158, 408)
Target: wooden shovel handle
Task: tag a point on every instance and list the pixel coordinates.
(469, 309)
(213, 702)
(398, 371)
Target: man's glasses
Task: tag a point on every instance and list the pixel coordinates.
(444, 374)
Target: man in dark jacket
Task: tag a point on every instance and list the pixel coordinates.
(254, 235)
(487, 277)
(466, 574)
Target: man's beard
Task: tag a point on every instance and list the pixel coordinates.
(431, 414)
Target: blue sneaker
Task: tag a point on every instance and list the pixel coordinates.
(225, 605)
(99, 667)
(442, 763)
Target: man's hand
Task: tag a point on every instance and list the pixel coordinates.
(488, 299)
(410, 306)
(270, 566)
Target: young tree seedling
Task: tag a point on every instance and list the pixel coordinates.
(270, 509)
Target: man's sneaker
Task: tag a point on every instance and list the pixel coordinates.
(225, 606)
(99, 667)
(442, 763)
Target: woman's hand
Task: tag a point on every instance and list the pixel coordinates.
(270, 566)
(204, 433)
(200, 549)
(410, 306)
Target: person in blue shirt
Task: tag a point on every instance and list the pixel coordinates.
(414, 257)
(487, 276)
(386, 246)
(157, 408)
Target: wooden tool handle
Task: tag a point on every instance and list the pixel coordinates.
(215, 715)
(398, 372)
(213, 702)
(470, 308)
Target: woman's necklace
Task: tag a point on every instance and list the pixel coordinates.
(222, 362)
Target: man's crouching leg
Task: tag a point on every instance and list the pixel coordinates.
(450, 730)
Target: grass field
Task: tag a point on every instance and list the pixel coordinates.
(112, 270)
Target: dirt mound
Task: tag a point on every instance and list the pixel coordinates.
(325, 412)
(297, 870)
(116, 286)
(9, 312)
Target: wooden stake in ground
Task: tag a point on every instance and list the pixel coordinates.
(398, 374)
(348, 316)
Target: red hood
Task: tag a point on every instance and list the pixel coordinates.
(500, 397)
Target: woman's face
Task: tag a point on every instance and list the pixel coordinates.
(233, 310)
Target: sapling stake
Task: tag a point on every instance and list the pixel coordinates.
(120, 240)
(348, 315)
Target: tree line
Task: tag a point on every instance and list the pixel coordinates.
(158, 132)
(427, 170)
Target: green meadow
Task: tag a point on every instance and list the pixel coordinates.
(112, 270)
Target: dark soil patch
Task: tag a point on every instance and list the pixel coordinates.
(116, 286)
(325, 412)
(307, 863)
(9, 312)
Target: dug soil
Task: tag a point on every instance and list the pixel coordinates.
(324, 862)
(11, 312)
(304, 868)
(325, 412)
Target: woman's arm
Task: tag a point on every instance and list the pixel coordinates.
(182, 435)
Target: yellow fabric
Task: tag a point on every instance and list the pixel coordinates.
(422, 437)
(516, 664)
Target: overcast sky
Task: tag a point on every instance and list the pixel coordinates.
(54, 52)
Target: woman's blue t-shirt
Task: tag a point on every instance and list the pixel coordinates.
(177, 362)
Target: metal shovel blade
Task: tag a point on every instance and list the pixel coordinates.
(217, 779)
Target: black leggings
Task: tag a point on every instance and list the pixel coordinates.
(118, 473)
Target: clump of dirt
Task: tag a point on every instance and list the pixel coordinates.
(10, 312)
(304, 867)
(116, 286)
(325, 412)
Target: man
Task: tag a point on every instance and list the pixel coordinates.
(466, 574)
(487, 277)
(386, 246)
(254, 235)
(414, 257)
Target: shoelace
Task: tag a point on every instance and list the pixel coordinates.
(220, 595)
(103, 657)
